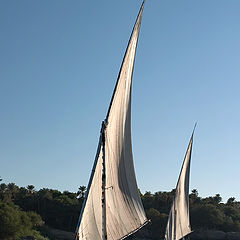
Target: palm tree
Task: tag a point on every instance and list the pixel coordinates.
(30, 188)
(3, 187)
(81, 192)
(12, 190)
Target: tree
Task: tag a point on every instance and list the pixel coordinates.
(10, 221)
(16, 223)
(30, 188)
(195, 192)
(81, 192)
(3, 188)
(147, 200)
(217, 199)
(231, 201)
(194, 198)
(158, 223)
(12, 190)
(207, 216)
(61, 210)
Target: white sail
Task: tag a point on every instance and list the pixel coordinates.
(178, 225)
(124, 212)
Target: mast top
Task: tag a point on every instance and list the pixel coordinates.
(194, 128)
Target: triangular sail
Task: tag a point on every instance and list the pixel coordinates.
(178, 225)
(124, 210)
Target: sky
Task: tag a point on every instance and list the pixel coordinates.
(59, 62)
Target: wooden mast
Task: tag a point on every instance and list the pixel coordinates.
(104, 224)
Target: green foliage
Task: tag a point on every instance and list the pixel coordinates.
(207, 216)
(21, 208)
(10, 220)
(205, 213)
(16, 223)
(157, 219)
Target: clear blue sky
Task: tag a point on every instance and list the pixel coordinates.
(59, 61)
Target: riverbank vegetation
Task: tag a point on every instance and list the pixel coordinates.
(23, 210)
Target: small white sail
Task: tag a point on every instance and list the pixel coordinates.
(124, 210)
(178, 225)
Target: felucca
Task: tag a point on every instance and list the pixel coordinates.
(178, 225)
(112, 209)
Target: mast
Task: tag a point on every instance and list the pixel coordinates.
(104, 224)
(175, 222)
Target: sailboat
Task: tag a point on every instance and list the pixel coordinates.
(112, 209)
(178, 225)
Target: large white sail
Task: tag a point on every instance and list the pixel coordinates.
(124, 212)
(178, 225)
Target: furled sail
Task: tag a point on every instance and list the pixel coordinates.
(178, 225)
(124, 213)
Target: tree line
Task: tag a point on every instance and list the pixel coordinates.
(208, 213)
(23, 210)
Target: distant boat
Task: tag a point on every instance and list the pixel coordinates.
(112, 209)
(178, 225)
